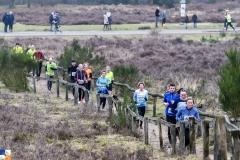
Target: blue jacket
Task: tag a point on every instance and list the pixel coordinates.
(102, 84)
(185, 112)
(178, 104)
(168, 97)
(140, 97)
(5, 18)
(10, 19)
(164, 15)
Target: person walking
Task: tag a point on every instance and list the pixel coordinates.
(186, 21)
(194, 19)
(229, 22)
(38, 56)
(110, 76)
(102, 83)
(11, 21)
(157, 14)
(56, 22)
(89, 75)
(81, 79)
(50, 67)
(183, 115)
(109, 15)
(168, 101)
(164, 17)
(51, 21)
(5, 20)
(105, 22)
(17, 49)
(71, 73)
(140, 98)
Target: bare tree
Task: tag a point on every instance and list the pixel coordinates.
(12, 4)
(29, 4)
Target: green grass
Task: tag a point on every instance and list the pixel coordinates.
(22, 28)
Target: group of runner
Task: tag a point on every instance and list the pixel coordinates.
(179, 107)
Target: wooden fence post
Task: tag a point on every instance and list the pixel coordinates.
(57, 84)
(199, 130)
(116, 89)
(92, 84)
(76, 98)
(192, 135)
(173, 137)
(98, 101)
(220, 139)
(34, 84)
(66, 96)
(160, 133)
(126, 118)
(146, 130)
(236, 145)
(134, 124)
(154, 106)
(182, 137)
(205, 136)
(119, 104)
(110, 105)
(86, 96)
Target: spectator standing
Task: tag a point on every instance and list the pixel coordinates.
(102, 83)
(183, 114)
(194, 19)
(157, 14)
(71, 73)
(81, 79)
(39, 57)
(51, 21)
(140, 98)
(164, 17)
(17, 49)
(11, 21)
(50, 67)
(229, 22)
(186, 21)
(105, 22)
(110, 77)
(109, 15)
(5, 20)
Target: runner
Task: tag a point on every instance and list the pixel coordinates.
(17, 49)
(71, 73)
(110, 76)
(39, 57)
(140, 98)
(184, 113)
(81, 79)
(102, 83)
(56, 22)
(229, 21)
(225, 19)
(50, 67)
(109, 20)
(179, 102)
(89, 75)
(31, 51)
(168, 101)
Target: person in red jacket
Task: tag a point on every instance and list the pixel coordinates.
(39, 57)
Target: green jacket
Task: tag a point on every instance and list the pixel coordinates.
(229, 19)
(30, 53)
(50, 67)
(109, 76)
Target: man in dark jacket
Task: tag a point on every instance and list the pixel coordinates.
(186, 21)
(194, 19)
(10, 21)
(157, 14)
(71, 73)
(5, 21)
(51, 21)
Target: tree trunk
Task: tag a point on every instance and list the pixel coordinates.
(136, 2)
(12, 4)
(29, 4)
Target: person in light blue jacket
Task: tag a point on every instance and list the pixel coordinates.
(102, 83)
(140, 98)
(186, 112)
(164, 16)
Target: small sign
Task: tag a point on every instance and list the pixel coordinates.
(5, 154)
(182, 10)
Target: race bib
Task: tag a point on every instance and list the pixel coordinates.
(103, 86)
(169, 110)
(186, 118)
(73, 74)
(141, 100)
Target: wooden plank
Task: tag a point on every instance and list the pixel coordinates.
(76, 98)
(134, 124)
(154, 122)
(182, 137)
(146, 140)
(57, 86)
(110, 105)
(192, 135)
(220, 139)
(160, 133)
(173, 137)
(236, 145)
(154, 106)
(66, 87)
(98, 102)
(165, 123)
(116, 89)
(205, 136)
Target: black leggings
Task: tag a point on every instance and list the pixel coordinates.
(141, 112)
(230, 24)
(163, 21)
(49, 83)
(171, 119)
(102, 102)
(39, 70)
(187, 137)
(80, 93)
(88, 85)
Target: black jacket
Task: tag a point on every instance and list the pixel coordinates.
(157, 13)
(194, 18)
(186, 19)
(72, 70)
(10, 19)
(81, 75)
(51, 19)
(5, 19)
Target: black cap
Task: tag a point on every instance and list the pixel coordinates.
(73, 61)
(17, 43)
